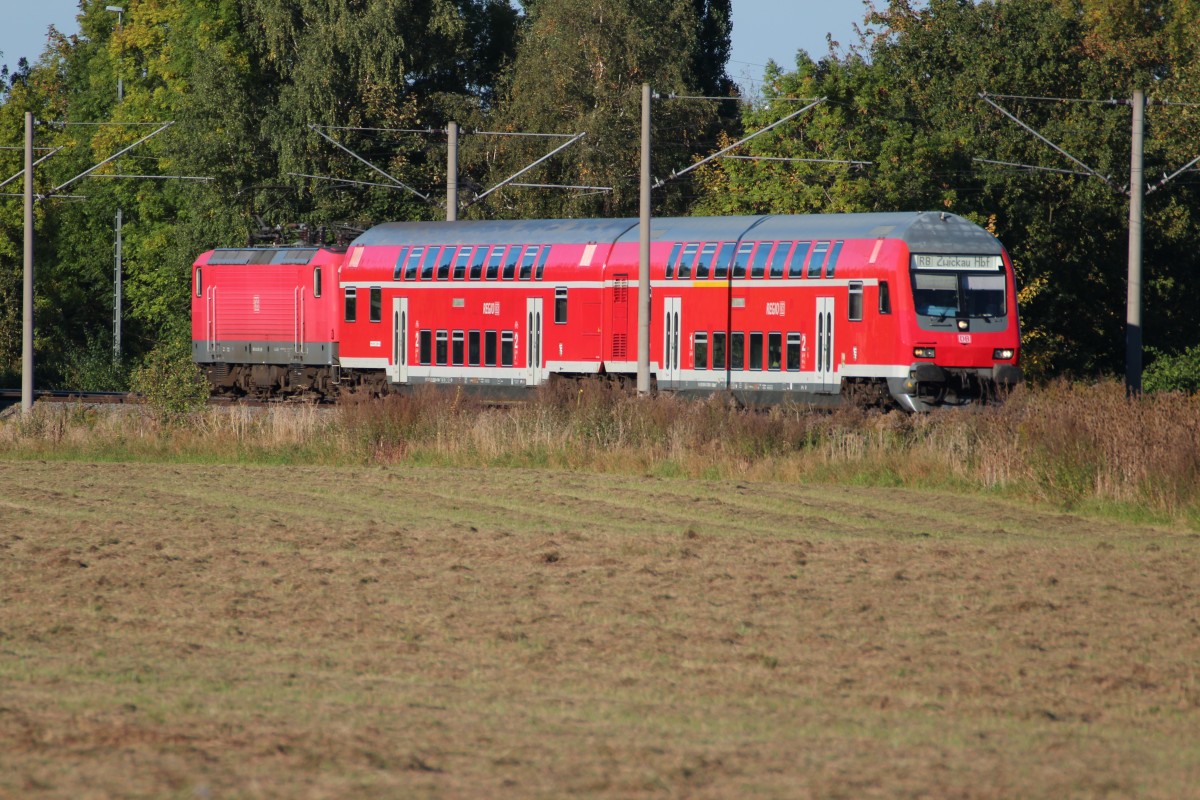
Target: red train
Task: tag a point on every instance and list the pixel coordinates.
(916, 307)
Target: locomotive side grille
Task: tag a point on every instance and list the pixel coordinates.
(620, 316)
(621, 290)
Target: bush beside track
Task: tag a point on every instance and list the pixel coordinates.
(1069, 445)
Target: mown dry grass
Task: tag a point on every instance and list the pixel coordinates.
(186, 630)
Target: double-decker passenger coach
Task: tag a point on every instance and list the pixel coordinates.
(915, 308)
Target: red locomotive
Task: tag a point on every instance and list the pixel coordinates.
(916, 307)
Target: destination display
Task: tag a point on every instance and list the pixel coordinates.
(944, 261)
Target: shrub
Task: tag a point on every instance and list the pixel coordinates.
(170, 382)
(1174, 373)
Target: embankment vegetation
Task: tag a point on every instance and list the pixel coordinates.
(1069, 445)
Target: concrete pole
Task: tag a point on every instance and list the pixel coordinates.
(117, 296)
(452, 172)
(27, 306)
(643, 373)
(1133, 304)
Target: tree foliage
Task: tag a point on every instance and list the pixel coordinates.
(906, 107)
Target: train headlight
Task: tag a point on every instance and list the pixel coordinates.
(1002, 353)
(923, 352)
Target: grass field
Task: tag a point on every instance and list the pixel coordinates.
(205, 631)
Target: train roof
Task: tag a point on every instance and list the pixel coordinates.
(922, 231)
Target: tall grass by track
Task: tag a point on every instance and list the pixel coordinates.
(1069, 444)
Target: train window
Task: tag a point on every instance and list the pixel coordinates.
(818, 259)
(935, 293)
(831, 264)
(672, 259)
(510, 263)
(425, 347)
(718, 350)
(507, 345)
(461, 260)
(200, 283)
(429, 263)
(793, 352)
(443, 339)
(351, 303)
(796, 263)
(316, 281)
(779, 259)
(885, 298)
(456, 348)
(477, 259)
(721, 265)
(983, 295)
(743, 259)
(527, 262)
(737, 350)
(413, 263)
(756, 351)
(700, 350)
(398, 270)
(376, 310)
(758, 267)
(447, 259)
(541, 267)
(489, 349)
(704, 263)
(494, 262)
(473, 348)
(854, 308)
(685, 261)
(560, 305)
(774, 351)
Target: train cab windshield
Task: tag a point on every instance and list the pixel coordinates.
(959, 294)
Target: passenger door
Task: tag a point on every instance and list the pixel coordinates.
(533, 341)
(399, 369)
(669, 372)
(825, 365)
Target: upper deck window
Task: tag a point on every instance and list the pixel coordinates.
(443, 269)
(831, 264)
(796, 264)
(510, 262)
(429, 263)
(672, 259)
(461, 262)
(527, 262)
(704, 263)
(413, 263)
(724, 258)
(541, 265)
(685, 260)
(779, 259)
(818, 259)
(494, 262)
(758, 267)
(477, 259)
(398, 270)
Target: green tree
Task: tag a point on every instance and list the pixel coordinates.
(579, 67)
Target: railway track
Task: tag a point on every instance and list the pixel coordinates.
(13, 396)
